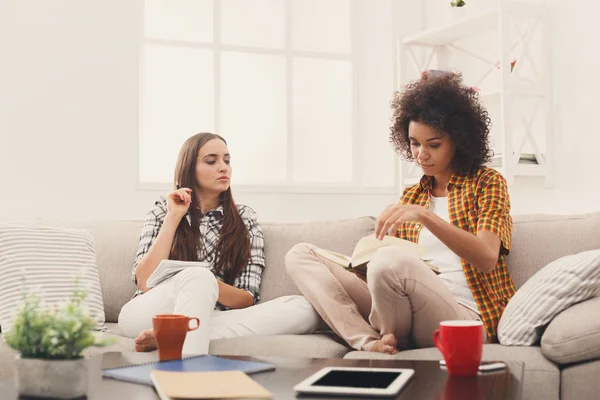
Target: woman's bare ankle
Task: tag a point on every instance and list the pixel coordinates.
(145, 341)
(387, 344)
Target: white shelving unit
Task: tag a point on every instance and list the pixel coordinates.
(513, 24)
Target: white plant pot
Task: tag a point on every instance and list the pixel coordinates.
(63, 379)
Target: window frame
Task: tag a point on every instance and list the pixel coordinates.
(289, 186)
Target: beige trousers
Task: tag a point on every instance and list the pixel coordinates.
(402, 296)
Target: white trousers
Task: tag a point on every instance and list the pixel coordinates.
(194, 292)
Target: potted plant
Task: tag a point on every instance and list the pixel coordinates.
(51, 342)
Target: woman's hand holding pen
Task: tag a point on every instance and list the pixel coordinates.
(178, 202)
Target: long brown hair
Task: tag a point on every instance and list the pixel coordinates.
(232, 251)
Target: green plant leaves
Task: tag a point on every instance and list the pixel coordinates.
(458, 3)
(56, 334)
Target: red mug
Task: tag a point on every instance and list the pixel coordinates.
(461, 343)
(170, 331)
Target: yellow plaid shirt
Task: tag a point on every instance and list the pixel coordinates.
(477, 202)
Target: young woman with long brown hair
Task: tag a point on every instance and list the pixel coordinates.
(200, 221)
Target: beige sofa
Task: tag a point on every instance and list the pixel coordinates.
(548, 370)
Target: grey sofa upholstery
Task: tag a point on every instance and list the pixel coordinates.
(549, 371)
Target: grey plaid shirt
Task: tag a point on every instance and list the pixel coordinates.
(210, 229)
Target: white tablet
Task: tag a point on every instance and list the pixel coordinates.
(356, 381)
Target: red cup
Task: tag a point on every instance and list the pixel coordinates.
(170, 331)
(461, 343)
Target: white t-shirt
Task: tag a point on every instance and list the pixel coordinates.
(449, 264)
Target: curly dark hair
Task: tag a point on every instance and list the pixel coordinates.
(447, 105)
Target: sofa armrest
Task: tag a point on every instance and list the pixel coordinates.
(574, 334)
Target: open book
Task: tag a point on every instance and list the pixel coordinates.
(367, 247)
(168, 268)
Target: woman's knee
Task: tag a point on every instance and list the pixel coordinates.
(391, 261)
(195, 280)
(294, 256)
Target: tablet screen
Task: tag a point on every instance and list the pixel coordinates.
(358, 379)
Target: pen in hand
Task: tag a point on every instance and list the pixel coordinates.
(187, 213)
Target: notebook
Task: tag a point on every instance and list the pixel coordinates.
(141, 373)
(207, 385)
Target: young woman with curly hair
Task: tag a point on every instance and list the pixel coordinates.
(459, 212)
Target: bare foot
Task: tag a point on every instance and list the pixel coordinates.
(146, 341)
(387, 344)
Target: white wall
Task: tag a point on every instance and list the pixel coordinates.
(68, 108)
(68, 118)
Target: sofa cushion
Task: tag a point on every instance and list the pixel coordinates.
(540, 379)
(117, 241)
(529, 355)
(53, 263)
(580, 381)
(315, 346)
(312, 346)
(123, 344)
(574, 334)
(116, 245)
(339, 236)
(559, 285)
(540, 239)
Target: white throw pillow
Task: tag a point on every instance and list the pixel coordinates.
(556, 287)
(50, 259)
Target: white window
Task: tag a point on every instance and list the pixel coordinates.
(300, 90)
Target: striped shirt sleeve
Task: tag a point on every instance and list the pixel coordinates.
(251, 276)
(152, 225)
(494, 209)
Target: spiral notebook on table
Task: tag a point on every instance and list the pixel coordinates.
(140, 373)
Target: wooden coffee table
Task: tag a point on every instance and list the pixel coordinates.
(429, 381)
